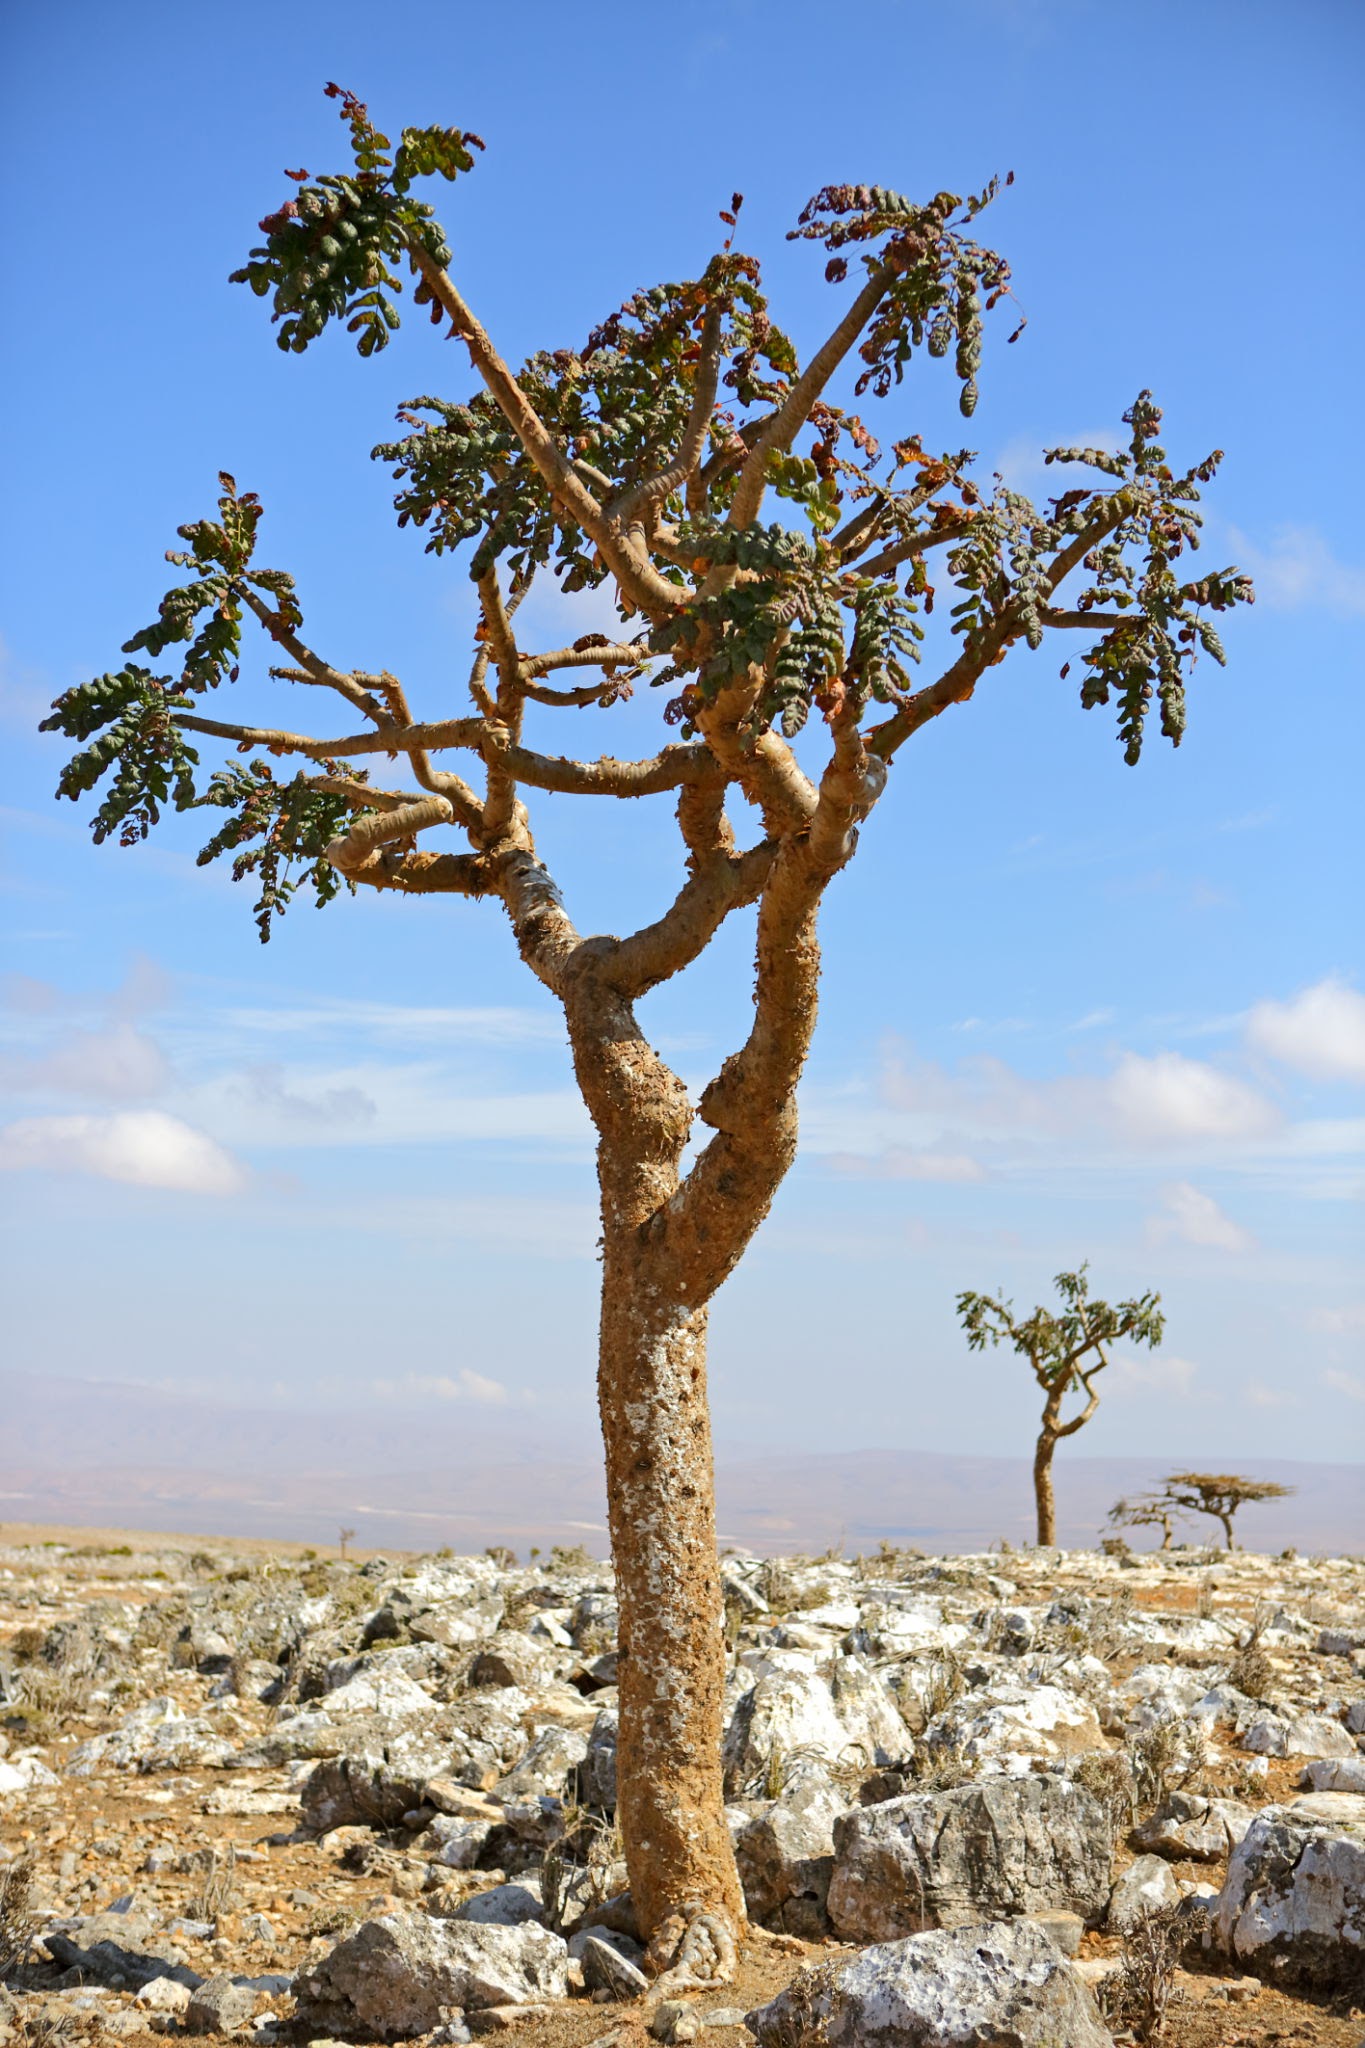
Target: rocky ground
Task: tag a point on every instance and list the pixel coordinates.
(1021, 1796)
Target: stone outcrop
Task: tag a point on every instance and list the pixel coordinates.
(944, 1859)
(1001, 1983)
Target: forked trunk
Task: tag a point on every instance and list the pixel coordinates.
(660, 1502)
(1043, 1495)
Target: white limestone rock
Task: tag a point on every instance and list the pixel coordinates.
(1002, 1983)
(1290, 1734)
(1148, 1885)
(943, 1859)
(1292, 1907)
(393, 1977)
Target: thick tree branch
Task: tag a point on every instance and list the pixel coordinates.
(675, 940)
(499, 809)
(545, 934)
(639, 581)
(425, 874)
(702, 821)
(761, 763)
(1087, 620)
(668, 769)
(751, 1104)
(652, 490)
(605, 654)
(791, 415)
(1092, 1402)
(385, 827)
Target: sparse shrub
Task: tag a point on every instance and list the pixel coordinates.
(1163, 1758)
(1252, 1673)
(580, 1869)
(939, 1767)
(890, 1561)
(46, 2030)
(17, 1922)
(46, 1690)
(946, 1682)
(219, 1891)
(1108, 1774)
(1138, 1995)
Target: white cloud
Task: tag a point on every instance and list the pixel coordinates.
(1142, 1100)
(144, 1148)
(1261, 1396)
(465, 1385)
(370, 1103)
(1319, 1032)
(1297, 569)
(1169, 1096)
(1348, 1383)
(403, 1023)
(1197, 1219)
(1338, 1322)
(904, 1162)
(266, 1086)
(119, 1065)
(1163, 1374)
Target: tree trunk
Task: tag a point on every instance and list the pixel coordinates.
(1042, 1488)
(657, 1431)
(666, 1247)
(1226, 1521)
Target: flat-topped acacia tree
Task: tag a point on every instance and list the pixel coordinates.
(642, 462)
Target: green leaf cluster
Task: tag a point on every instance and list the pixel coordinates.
(279, 832)
(617, 407)
(946, 280)
(126, 717)
(1148, 658)
(1055, 1343)
(329, 251)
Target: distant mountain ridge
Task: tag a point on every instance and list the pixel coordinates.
(97, 1453)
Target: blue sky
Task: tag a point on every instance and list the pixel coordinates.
(1071, 1009)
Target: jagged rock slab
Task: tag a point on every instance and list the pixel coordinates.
(397, 1975)
(1004, 1984)
(1292, 1907)
(945, 1859)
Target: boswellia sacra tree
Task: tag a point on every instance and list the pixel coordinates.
(645, 461)
(1065, 1352)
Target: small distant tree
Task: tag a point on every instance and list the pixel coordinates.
(1220, 1494)
(771, 568)
(1065, 1353)
(344, 1538)
(1147, 1511)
